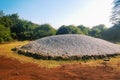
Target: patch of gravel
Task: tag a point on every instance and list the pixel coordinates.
(70, 45)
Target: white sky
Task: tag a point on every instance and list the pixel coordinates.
(95, 13)
(61, 12)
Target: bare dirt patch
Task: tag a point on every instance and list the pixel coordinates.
(11, 69)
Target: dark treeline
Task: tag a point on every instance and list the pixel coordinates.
(14, 28)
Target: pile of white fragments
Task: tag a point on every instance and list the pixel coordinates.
(70, 45)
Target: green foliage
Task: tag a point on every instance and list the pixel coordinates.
(71, 29)
(113, 33)
(5, 34)
(98, 31)
(84, 29)
(12, 27)
(23, 30)
(6, 21)
(1, 40)
(43, 31)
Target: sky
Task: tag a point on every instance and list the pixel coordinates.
(61, 12)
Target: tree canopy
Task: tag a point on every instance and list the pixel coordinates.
(20, 29)
(113, 33)
(115, 19)
(98, 31)
(5, 34)
(71, 29)
(85, 30)
(14, 28)
(43, 31)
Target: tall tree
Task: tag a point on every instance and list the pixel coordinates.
(113, 34)
(115, 19)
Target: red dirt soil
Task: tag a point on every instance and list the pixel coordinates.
(14, 70)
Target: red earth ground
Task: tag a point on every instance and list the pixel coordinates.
(14, 70)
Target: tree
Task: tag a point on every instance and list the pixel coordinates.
(23, 30)
(9, 20)
(112, 33)
(19, 29)
(115, 19)
(43, 31)
(84, 29)
(71, 29)
(5, 34)
(62, 30)
(6, 21)
(97, 31)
